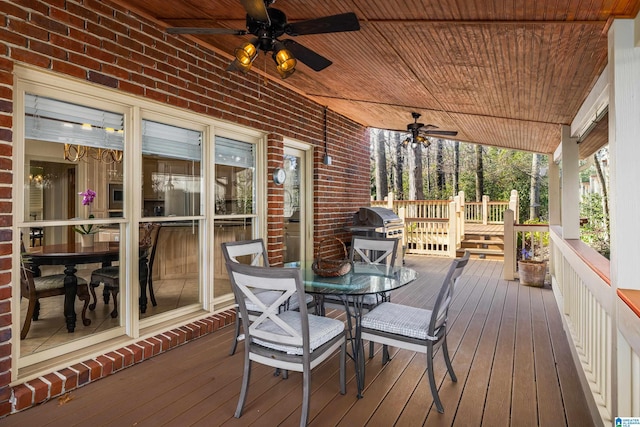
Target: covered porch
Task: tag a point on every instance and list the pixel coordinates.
(510, 353)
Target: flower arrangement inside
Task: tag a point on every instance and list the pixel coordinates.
(87, 199)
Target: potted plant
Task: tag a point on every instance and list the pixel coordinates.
(531, 272)
(87, 232)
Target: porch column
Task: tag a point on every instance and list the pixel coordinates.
(624, 152)
(624, 200)
(570, 206)
(554, 192)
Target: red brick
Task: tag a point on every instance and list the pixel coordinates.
(69, 69)
(84, 61)
(106, 364)
(71, 379)
(166, 342)
(118, 360)
(5, 409)
(83, 373)
(29, 57)
(23, 397)
(134, 89)
(50, 25)
(64, 16)
(12, 38)
(137, 352)
(147, 349)
(47, 49)
(56, 384)
(95, 369)
(41, 390)
(127, 355)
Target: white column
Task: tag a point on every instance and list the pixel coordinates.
(624, 198)
(624, 151)
(554, 192)
(570, 210)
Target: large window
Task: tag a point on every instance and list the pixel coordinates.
(111, 204)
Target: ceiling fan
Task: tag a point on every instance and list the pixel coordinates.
(420, 131)
(267, 24)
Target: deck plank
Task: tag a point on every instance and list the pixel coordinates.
(508, 347)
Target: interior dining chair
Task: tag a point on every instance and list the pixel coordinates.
(417, 329)
(109, 275)
(291, 340)
(253, 252)
(34, 288)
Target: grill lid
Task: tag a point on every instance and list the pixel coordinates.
(373, 216)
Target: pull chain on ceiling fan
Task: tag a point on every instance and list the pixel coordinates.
(267, 24)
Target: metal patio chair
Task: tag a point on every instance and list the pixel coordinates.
(417, 329)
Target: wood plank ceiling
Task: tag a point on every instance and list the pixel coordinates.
(501, 72)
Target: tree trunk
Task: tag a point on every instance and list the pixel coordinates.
(534, 189)
(605, 193)
(479, 174)
(382, 184)
(440, 177)
(415, 172)
(397, 176)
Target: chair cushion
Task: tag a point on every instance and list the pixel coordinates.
(110, 272)
(54, 281)
(398, 319)
(321, 330)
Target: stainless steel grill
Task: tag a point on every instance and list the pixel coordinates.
(379, 222)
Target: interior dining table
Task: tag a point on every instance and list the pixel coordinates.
(351, 288)
(72, 254)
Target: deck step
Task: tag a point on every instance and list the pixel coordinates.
(482, 253)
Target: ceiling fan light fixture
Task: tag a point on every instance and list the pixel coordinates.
(286, 62)
(245, 55)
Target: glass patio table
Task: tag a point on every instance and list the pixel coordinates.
(363, 279)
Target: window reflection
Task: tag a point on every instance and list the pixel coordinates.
(228, 230)
(174, 268)
(46, 258)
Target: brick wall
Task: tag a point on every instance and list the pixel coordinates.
(102, 43)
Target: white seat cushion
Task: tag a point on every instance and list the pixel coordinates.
(321, 330)
(398, 319)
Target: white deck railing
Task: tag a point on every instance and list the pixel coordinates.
(602, 325)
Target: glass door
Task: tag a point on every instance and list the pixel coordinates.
(294, 206)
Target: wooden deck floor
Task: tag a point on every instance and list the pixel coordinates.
(509, 352)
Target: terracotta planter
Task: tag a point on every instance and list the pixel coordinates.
(532, 273)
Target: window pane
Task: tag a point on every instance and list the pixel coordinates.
(235, 186)
(228, 230)
(171, 170)
(47, 251)
(174, 269)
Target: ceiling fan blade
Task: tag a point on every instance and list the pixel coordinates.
(328, 24)
(199, 30)
(305, 55)
(440, 132)
(257, 10)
